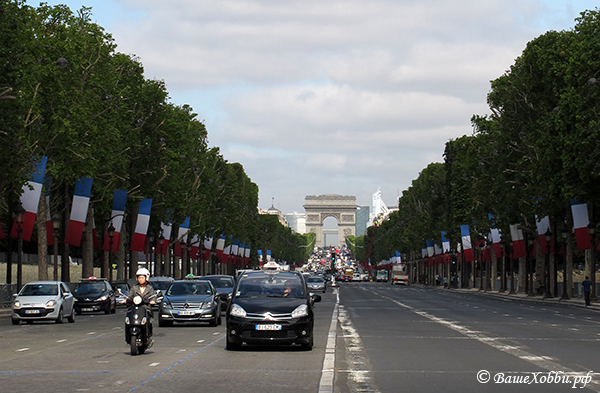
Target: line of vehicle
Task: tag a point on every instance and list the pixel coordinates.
(328, 370)
(494, 342)
(176, 363)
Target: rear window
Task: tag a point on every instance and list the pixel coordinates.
(91, 287)
(221, 282)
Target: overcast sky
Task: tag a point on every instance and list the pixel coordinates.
(330, 97)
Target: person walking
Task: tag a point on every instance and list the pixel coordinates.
(587, 290)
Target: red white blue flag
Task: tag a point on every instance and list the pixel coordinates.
(182, 234)
(118, 212)
(194, 247)
(580, 224)
(518, 240)
(49, 227)
(166, 233)
(543, 225)
(138, 240)
(30, 200)
(79, 210)
(466, 243)
(208, 241)
(220, 246)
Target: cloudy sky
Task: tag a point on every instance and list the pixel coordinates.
(330, 97)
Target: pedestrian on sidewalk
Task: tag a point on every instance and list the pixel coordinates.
(587, 290)
(445, 282)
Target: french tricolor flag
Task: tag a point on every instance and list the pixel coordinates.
(166, 232)
(225, 255)
(247, 254)
(466, 243)
(268, 255)
(235, 248)
(79, 210)
(194, 247)
(542, 226)
(445, 242)
(220, 246)
(30, 200)
(496, 237)
(182, 234)
(95, 234)
(138, 240)
(207, 247)
(119, 201)
(580, 224)
(260, 257)
(519, 247)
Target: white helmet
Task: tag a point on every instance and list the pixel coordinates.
(143, 272)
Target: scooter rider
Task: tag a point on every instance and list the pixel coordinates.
(146, 292)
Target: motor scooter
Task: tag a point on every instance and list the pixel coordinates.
(138, 325)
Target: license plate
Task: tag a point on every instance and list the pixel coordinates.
(32, 311)
(87, 309)
(268, 327)
(186, 313)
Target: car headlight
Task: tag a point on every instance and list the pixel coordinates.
(237, 311)
(300, 311)
(207, 305)
(102, 298)
(51, 303)
(17, 304)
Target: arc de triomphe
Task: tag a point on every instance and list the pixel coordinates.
(342, 208)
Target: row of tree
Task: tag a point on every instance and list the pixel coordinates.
(538, 150)
(66, 93)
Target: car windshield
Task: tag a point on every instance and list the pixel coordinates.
(39, 290)
(189, 288)
(314, 279)
(123, 287)
(283, 285)
(162, 285)
(91, 287)
(221, 282)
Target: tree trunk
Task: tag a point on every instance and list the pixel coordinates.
(87, 264)
(42, 240)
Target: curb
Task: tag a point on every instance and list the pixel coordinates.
(521, 297)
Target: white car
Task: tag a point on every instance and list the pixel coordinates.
(43, 300)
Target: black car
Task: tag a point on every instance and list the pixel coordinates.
(94, 294)
(271, 307)
(224, 286)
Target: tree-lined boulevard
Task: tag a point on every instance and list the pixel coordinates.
(387, 339)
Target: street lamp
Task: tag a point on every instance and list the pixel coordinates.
(548, 236)
(19, 218)
(531, 267)
(563, 233)
(56, 227)
(149, 256)
(161, 243)
(111, 233)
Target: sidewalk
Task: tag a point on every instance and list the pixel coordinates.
(576, 302)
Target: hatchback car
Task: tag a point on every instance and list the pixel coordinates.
(271, 307)
(316, 283)
(190, 301)
(94, 294)
(43, 300)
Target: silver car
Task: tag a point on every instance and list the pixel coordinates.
(190, 301)
(43, 300)
(315, 283)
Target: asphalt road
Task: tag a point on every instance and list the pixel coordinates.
(369, 337)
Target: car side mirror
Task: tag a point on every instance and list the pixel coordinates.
(15, 294)
(119, 291)
(315, 298)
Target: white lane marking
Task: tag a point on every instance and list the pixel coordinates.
(90, 333)
(153, 364)
(540, 361)
(62, 341)
(22, 349)
(103, 361)
(181, 350)
(216, 333)
(200, 341)
(328, 372)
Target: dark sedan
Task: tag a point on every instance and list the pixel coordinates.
(190, 301)
(224, 286)
(271, 307)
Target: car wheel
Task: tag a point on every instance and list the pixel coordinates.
(213, 322)
(60, 317)
(162, 323)
(71, 317)
(78, 312)
(307, 347)
(232, 346)
(15, 321)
